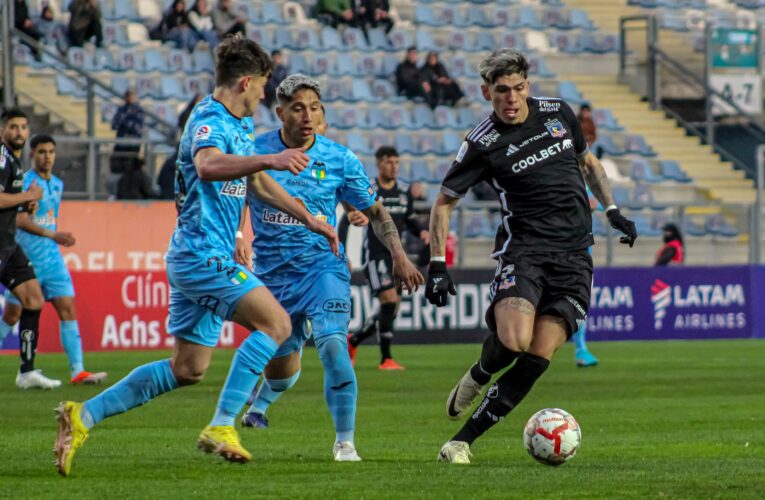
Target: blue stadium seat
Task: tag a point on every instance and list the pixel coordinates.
(370, 167)
(445, 118)
(621, 196)
(130, 59)
(452, 16)
(605, 119)
(345, 65)
(527, 17)
(423, 117)
(360, 91)
(642, 197)
(512, 40)
(305, 38)
(477, 224)
(358, 143)
(636, 144)
(425, 42)
(642, 172)
(353, 117)
(125, 11)
(104, 60)
(429, 143)
(271, 13)
(565, 43)
(472, 90)
(147, 86)
(114, 34)
(323, 64)
(389, 63)
(420, 171)
(334, 90)
(79, 57)
(568, 92)
(203, 61)
(580, 19)
(283, 37)
(467, 118)
(378, 140)
(484, 40)
(556, 18)
(606, 44)
(263, 117)
(405, 144)
(193, 85)
(644, 226)
(384, 90)
(171, 88)
(166, 112)
(478, 17)
(459, 40)
(718, 226)
(298, 64)
(378, 40)
(330, 39)
(354, 39)
(68, 86)
(442, 167)
(608, 145)
(370, 65)
(262, 35)
(672, 171)
(599, 226)
(333, 117)
(502, 15)
(120, 84)
(452, 143)
(424, 14)
(248, 11)
(400, 118)
(538, 67)
(401, 39)
(692, 227)
(376, 118)
(154, 60)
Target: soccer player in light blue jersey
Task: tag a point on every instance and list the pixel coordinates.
(206, 285)
(39, 239)
(300, 269)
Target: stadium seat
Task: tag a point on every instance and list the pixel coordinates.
(148, 87)
(400, 118)
(527, 17)
(607, 44)
(262, 35)
(538, 67)
(477, 224)
(718, 226)
(642, 172)
(642, 197)
(420, 171)
(136, 34)
(125, 11)
(423, 117)
(323, 64)
(644, 226)
(389, 63)
(385, 91)
(360, 91)
(609, 147)
(425, 15)
(376, 118)
(354, 39)
(484, 40)
(353, 117)
(172, 88)
(283, 37)
(472, 90)
(599, 226)
(478, 17)
(68, 86)
(120, 84)
(401, 39)
(358, 143)
(113, 34)
(330, 39)
(672, 171)
(405, 144)
(203, 61)
(621, 196)
(148, 12)
(378, 39)
(445, 118)
(271, 13)
(691, 227)
(636, 144)
(467, 118)
(565, 42)
(605, 119)
(345, 65)
(334, 89)
(130, 59)
(580, 19)
(154, 60)
(248, 11)
(568, 92)
(262, 117)
(369, 65)
(305, 38)
(425, 42)
(294, 14)
(459, 40)
(452, 143)
(430, 144)
(166, 112)
(298, 64)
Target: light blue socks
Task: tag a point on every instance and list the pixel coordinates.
(140, 386)
(70, 340)
(340, 388)
(249, 361)
(269, 391)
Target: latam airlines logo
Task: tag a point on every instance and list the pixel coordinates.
(701, 296)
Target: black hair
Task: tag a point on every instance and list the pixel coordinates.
(11, 113)
(384, 151)
(41, 139)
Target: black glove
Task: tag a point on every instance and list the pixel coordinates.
(624, 225)
(439, 284)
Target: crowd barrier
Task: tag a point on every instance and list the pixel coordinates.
(125, 310)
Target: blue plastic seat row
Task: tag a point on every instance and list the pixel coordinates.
(143, 61)
(523, 16)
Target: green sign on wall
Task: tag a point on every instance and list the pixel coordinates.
(735, 48)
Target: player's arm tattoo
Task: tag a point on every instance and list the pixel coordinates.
(519, 304)
(595, 176)
(439, 224)
(384, 228)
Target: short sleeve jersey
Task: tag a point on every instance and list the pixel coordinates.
(534, 168)
(399, 203)
(11, 182)
(208, 211)
(41, 250)
(283, 246)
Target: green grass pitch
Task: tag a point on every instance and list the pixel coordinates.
(659, 419)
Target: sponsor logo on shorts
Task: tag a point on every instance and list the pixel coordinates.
(337, 306)
(556, 128)
(239, 278)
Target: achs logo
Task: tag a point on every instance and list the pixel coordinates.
(337, 306)
(236, 189)
(511, 150)
(489, 138)
(555, 127)
(661, 296)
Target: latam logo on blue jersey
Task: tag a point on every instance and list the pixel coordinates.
(236, 189)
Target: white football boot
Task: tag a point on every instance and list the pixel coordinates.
(455, 452)
(35, 380)
(345, 452)
(462, 396)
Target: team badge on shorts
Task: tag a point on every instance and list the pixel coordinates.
(555, 127)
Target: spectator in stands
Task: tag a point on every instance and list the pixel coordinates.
(589, 129)
(166, 178)
(337, 12)
(135, 183)
(53, 32)
(128, 123)
(278, 74)
(408, 79)
(175, 27)
(374, 13)
(23, 23)
(226, 22)
(673, 250)
(201, 21)
(438, 85)
(84, 22)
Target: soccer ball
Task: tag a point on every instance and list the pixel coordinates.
(552, 436)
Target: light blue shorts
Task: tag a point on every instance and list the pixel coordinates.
(204, 291)
(321, 295)
(55, 281)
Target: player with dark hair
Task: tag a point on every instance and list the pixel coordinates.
(16, 272)
(39, 239)
(532, 151)
(397, 199)
(206, 285)
(299, 269)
